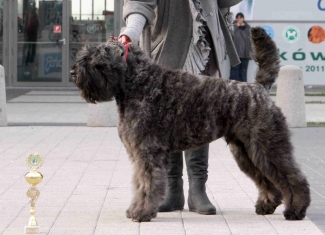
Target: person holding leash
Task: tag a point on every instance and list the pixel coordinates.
(192, 35)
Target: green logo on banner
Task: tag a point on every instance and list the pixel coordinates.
(291, 34)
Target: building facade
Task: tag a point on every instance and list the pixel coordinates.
(39, 39)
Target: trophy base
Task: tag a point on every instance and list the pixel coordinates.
(32, 229)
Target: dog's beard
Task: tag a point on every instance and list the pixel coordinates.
(94, 86)
(90, 98)
(94, 94)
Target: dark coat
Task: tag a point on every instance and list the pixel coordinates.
(239, 40)
(172, 24)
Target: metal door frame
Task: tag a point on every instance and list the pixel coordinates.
(118, 18)
(7, 42)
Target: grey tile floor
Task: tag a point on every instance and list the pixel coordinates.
(47, 108)
(86, 188)
(310, 152)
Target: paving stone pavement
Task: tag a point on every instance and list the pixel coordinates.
(310, 152)
(86, 187)
(66, 107)
(47, 107)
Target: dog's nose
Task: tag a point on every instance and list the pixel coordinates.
(73, 73)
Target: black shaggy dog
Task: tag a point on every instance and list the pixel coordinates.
(163, 110)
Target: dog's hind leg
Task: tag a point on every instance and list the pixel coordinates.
(149, 186)
(269, 196)
(275, 160)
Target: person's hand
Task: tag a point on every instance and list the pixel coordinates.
(124, 39)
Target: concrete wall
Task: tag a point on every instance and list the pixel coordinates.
(3, 104)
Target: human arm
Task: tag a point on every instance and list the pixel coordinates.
(134, 26)
(136, 14)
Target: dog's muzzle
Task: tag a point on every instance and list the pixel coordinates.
(73, 74)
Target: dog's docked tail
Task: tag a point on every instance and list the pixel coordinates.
(267, 57)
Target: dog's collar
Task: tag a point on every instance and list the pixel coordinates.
(126, 56)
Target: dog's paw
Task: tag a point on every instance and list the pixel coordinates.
(140, 216)
(291, 215)
(128, 214)
(265, 208)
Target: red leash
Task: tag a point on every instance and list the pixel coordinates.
(126, 48)
(126, 51)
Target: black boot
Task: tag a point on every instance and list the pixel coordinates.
(197, 170)
(174, 199)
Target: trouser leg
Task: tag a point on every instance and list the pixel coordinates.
(234, 72)
(243, 69)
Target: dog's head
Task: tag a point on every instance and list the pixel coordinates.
(98, 71)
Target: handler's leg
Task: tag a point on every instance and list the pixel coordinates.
(174, 199)
(197, 170)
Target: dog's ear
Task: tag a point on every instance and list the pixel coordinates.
(84, 54)
(118, 51)
(116, 46)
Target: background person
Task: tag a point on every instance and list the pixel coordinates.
(31, 32)
(190, 35)
(241, 38)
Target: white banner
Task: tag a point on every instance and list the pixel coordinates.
(303, 10)
(300, 40)
(300, 44)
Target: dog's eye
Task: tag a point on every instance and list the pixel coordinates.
(122, 54)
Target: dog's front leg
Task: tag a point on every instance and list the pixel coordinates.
(149, 182)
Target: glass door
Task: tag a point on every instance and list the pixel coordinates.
(40, 42)
(45, 36)
(91, 22)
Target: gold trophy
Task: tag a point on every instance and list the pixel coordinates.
(33, 177)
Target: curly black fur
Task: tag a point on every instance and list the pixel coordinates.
(163, 110)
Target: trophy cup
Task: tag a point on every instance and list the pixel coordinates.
(33, 177)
